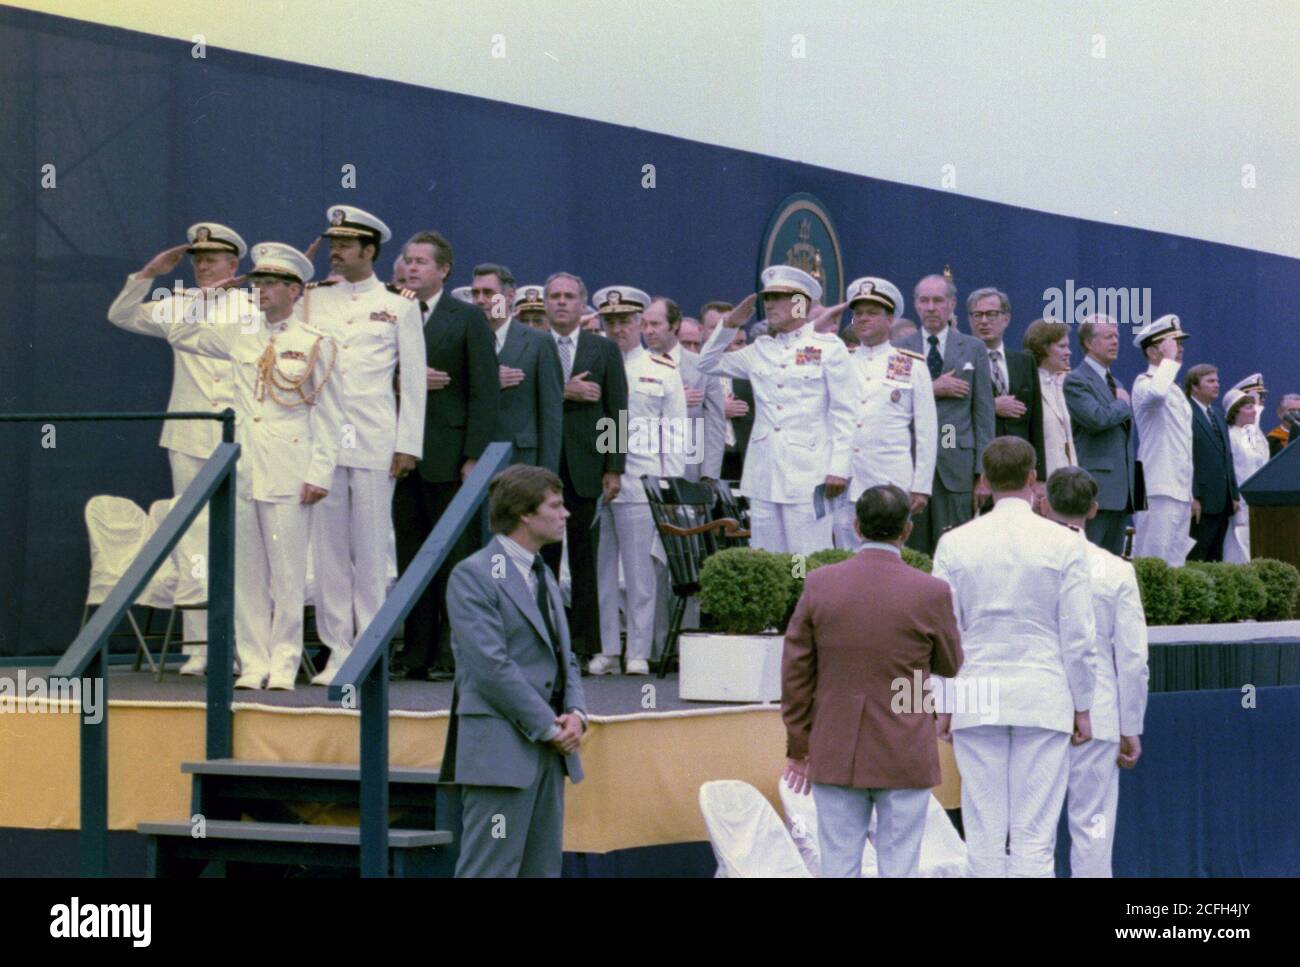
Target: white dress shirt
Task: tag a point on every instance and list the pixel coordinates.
(501, 334)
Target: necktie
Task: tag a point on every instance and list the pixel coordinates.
(424, 310)
(566, 356)
(543, 600)
(544, 606)
(999, 384)
(933, 359)
(1110, 383)
(728, 390)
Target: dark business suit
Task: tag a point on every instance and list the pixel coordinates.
(1024, 387)
(966, 425)
(458, 422)
(1103, 438)
(733, 459)
(531, 415)
(1214, 483)
(582, 466)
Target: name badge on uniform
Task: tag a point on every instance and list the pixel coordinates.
(650, 386)
(808, 356)
(898, 371)
(382, 316)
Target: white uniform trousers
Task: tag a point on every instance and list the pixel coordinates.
(191, 555)
(270, 582)
(627, 534)
(788, 528)
(1013, 781)
(350, 539)
(843, 816)
(846, 515)
(1163, 530)
(1091, 805)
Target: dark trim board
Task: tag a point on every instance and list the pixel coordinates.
(53, 853)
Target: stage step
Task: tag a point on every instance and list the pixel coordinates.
(174, 850)
(223, 783)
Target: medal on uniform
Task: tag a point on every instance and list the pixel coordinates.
(898, 370)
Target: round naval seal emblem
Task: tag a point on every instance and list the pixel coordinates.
(896, 395)
(800, 233)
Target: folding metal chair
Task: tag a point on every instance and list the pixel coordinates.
(682, 511)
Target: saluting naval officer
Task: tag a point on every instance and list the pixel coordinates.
(199, 384)
(288, 415)
(806, 393)
(1164, 423)
(379, 332)
(656, 442)
(896, 407)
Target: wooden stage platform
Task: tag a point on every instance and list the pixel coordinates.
(645, 756)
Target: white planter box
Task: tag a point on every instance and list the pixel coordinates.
(1224, 633)
(730, 668)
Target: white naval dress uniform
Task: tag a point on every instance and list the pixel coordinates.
(1024, 606)
(1118, 707)
(656, 445)
(377, 331)
(199, 384)
(282, 447)
(1163, 415)
(806, 394)
(1249, 453)
(896, 408)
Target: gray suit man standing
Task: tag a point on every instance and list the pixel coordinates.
(705, 400)
(963, 396)
(518, 711)
(530, 413)
(1102, 418)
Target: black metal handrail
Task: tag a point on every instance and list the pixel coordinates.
(364, 675)
(87, 657)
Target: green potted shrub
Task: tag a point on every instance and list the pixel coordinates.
(1159, 589)
(748, 593)
(1281, 588)
(1227, 599)
(1195, 596)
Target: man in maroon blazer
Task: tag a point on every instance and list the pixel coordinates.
(860, 724)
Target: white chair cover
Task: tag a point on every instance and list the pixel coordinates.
(160, 592)
(748, 837)
(943, 854)
(117, 529)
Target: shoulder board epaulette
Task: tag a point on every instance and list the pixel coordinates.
(825, 336)
(908, 352)
(398, 290)
(314, 331)
(664, 361)
(322, 284)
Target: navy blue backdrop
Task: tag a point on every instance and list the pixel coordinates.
(146, 139)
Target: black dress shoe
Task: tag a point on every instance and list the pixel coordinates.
(401, 672)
